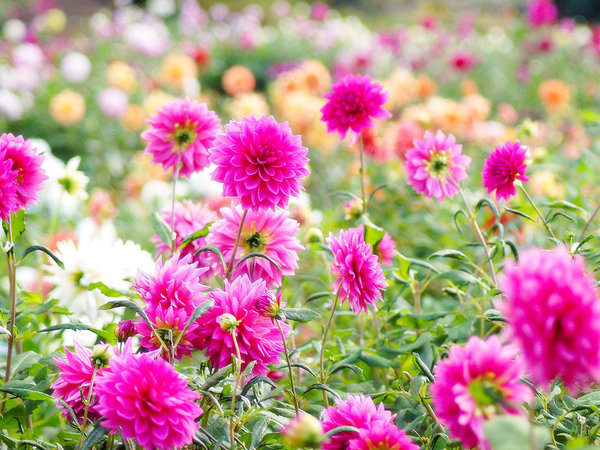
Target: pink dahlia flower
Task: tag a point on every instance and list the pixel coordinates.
(257, 336)
(149, 401)
(435, 165)
(382, 437)
(265, 231)
(360, 278)
(475, 383)
(352, 105)
(503, 167)
(541, 12)
(463, 61)
(260, 162)
(189, 218)
(356, 411)
(31, 175)
(184, 131)
(553, 313)
(8, 189)
(175, 283)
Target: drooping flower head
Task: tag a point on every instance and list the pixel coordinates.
(265, 231)
(147, 400)
(541, 12)
(356, 411)
(353, 104)
(30, 174)
(434, 164)
(553, 313)
(382, 437)
(503, 167)
(235, 313)
(184, 131)
(475, 383)
(260, 162)
(189, 218)
(360, 278)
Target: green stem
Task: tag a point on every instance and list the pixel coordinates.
(236, 245)
(362, 175)
(11, 267)
(87, 408)
(587, 224)
(480, 236)
(238, 370)
(173, 198)
(322, 353)
(291, 372)
(546, 225)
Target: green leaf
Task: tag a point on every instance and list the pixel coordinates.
(338, 430)
(216, 377)
(423, 368)
(589, 400)
(47, 251)
(302, 315)
(520, 213)
(24, 361)
(129, 305)
(258, 431)
(196, 235)
(486, 202)
(354, 368)
(416, 383)
(374, 360)
(256, 380)
(24, 389)
(449, 253)
(318, 295)
(513, 433)
(570, 206)
(78, 326)
(94, 437)
(4, 331)
(321, 387)
(258, 255)
(198, 312)
(161, 228)
(17, 224)
(108, 291)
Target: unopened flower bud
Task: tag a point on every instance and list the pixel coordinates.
(228, 322)
(304, 431)
(314, 235)
(101, 355)
(269, 305)
(125, 329)
(353, 208)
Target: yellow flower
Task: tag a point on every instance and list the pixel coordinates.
(56, 20)
(156, 100)
(176, 69)
(544, 183)
(120, 75)
(67, 108)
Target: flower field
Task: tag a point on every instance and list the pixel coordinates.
(282, 225)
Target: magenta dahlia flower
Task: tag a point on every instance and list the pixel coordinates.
(475, 383)
(352, 105)
(356, 411)
(435, 164)
(503, 167)
(257, 336)
(149, 401)
(28, 164)
(265, 231)
(8, 188)
(189, 218)
(260, 162)
(553, 313)
(541, 12)
(175, 283)
(360, 278)
(386, 436)
(184, 131)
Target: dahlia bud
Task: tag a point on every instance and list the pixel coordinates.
(304, 431)
(124, 330)
(228, 322)
(269, 305)
(353, 208)
(101, 355)
(314, 235)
